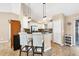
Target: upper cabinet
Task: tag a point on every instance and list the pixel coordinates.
(50, 25)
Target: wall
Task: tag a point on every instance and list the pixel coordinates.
(16, 8)
(5, 7)
(10, 7)
(70, 29)
(4, 25)
(58, 28)
(8, 11)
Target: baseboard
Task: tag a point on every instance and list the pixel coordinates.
(58, 44)
(47, 49)
(2, 41)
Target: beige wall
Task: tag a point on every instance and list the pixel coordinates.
(4, 25)
(71, 19)
(70, 29)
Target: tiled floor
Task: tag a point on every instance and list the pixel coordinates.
(56, 50)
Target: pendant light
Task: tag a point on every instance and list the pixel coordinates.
(44, 11)
(45, 21)
(29, 12)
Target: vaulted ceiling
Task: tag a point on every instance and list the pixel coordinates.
(37, 9)
(53, 9)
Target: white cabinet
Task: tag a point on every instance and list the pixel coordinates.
(49, 25)
(47, 41)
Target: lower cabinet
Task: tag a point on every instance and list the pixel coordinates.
(47, 41)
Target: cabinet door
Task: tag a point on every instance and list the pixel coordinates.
(57, 31)
(15, 28)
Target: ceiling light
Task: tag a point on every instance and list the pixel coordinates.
(29, 13)
(29, 18)
(44, 11)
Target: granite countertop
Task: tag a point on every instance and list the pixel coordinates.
(39, 30)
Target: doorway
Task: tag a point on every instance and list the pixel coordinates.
(15, 28)
(77, 32)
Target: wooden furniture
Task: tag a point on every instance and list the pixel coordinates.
(15, 28)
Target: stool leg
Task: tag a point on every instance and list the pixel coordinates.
(27, 53)
(42, 51)
(33, 50)
(27, 50)
(20, 53)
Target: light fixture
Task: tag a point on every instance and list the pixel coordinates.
(24, 23)
(45, 21)
(29, 12)
(44, 11)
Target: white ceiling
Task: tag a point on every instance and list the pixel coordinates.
(53, 9)
(10, 7)
(37, 9)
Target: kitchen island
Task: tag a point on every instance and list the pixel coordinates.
(47, 40)
(47, 36)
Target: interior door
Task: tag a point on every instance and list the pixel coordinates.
(15, 28)
(77, 32)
